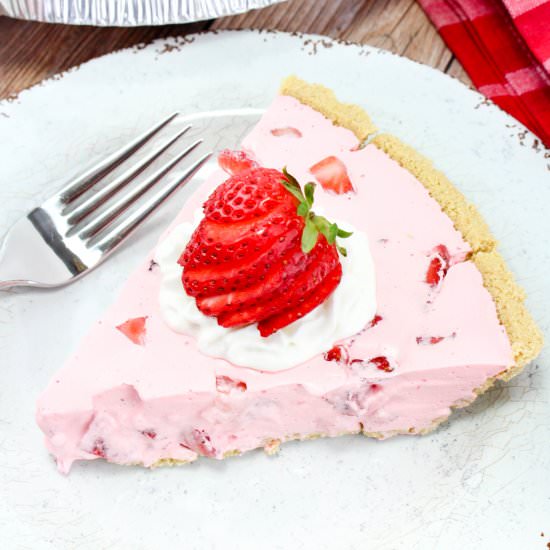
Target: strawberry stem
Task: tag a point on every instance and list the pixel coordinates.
(314, 224)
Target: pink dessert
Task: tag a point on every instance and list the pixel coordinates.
(141, 391)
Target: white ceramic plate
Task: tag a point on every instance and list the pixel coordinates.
(479, 481)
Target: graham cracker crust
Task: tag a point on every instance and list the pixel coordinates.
(322, 99)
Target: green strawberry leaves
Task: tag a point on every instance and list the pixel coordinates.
(314, 224)
(309, 236)
(309, 190)
(302, 209)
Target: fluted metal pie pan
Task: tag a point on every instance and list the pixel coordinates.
(126, 13)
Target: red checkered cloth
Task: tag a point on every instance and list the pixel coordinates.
(504, 45)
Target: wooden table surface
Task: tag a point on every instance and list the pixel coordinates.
(30, 52)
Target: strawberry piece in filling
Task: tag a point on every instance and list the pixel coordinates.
(438, 266)
(338, 353)
(286, 131)
(99, 448)
(432, 340)
(226, 384)
(260, 255)
(381, 363)
(332, 174)
(235, 162)
(134, 330)
(202, 443)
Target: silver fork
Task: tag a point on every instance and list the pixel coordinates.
(63, 239)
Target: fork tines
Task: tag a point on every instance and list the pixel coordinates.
(100, 228)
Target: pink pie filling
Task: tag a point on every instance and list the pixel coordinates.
(432, 347)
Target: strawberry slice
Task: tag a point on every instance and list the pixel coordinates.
(332, 174)
(321, 261)
(134, 330)
(290, 291)
(249, 195)
(215, 269)
(235, 162)
(316, 297)
(250, 222)
(241, 301)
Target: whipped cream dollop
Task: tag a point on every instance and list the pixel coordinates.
(346, 312)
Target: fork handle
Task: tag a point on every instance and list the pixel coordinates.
(14, 262)
(26, 259)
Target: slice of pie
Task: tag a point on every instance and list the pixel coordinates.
(317, 284)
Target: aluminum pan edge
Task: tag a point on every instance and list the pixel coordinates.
(126, 13)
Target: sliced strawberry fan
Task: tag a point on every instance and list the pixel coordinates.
(260, 254)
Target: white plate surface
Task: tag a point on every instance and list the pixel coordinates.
(480, 481)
